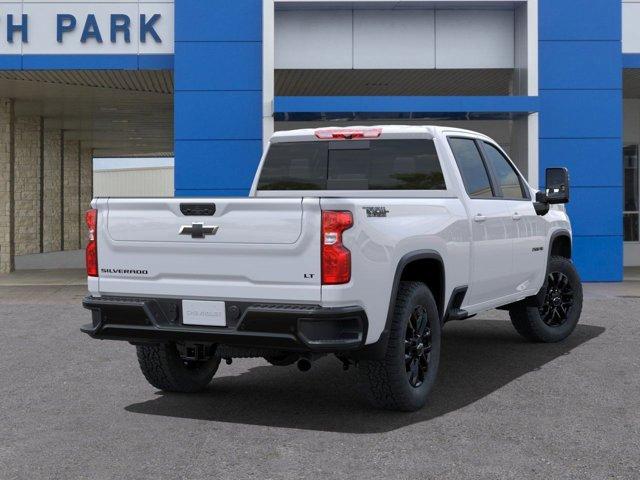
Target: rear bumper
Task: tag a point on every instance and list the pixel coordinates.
(303, 328)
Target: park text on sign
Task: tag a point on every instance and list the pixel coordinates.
(119, 28)
(86, 28)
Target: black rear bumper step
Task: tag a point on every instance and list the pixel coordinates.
(303, 328)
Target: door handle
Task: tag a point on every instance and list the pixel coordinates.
(479, 218)
(516, 216)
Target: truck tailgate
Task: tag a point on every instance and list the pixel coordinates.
(255, 248)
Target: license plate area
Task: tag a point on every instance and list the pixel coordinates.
(204, 313)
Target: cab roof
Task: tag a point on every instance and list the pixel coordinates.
(385, 131)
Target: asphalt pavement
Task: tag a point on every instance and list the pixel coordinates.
(75, 408)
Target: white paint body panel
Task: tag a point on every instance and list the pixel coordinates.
(268, 248)
(247, 259)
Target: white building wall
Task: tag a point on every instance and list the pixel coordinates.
(630, 22)
(397, 39)
(475, 39)
(42, 27)
(342, 39)
(142, 182)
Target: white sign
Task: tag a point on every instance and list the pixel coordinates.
(87, 27)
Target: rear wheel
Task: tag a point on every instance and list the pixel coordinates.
(553, 314)
(165, 369)
(404, 378)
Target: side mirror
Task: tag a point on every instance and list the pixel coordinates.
(557, 186)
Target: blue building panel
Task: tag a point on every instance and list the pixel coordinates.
(10, 62)
(580, 65)
(217, 115)
(596, 210)
(238, 66)
(580, 113)
(80, 62)
(155, 62)
(218, 96)
(580, 19)
(592, 162)
(598, 258)
(221, 21)
(216, 164)
(580, 78)
(86, 62)
(631, 60)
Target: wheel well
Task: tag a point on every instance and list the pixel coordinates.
(561, 246)
(431, 272)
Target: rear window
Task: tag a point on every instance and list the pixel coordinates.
(352, 165)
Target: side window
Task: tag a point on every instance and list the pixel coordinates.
(506, 176)
(474, 173)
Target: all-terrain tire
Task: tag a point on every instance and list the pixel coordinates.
(164, 369)
(530, 316)
(387, 383)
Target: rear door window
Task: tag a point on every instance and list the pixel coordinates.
(353, 165)
(472, 168)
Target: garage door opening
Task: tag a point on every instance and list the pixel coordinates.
(56, 123)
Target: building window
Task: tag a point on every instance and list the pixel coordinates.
(631, 178)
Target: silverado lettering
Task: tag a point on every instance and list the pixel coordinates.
(124, 271)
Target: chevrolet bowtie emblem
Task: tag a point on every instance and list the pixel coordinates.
(198, 230)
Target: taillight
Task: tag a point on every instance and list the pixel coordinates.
(336, 258)
(348, 133)
(91, 217)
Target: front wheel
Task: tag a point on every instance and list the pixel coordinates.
(404, 378)
(552, 315)
(165, 369)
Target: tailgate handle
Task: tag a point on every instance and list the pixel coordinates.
(198, 209)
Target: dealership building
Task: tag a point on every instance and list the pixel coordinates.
(556, 82)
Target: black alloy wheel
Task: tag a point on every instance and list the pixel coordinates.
(558, 300)
(403, 377)
(553, 313)
(417, 346)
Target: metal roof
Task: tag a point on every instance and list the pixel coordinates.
(394, 82)
(150, 81)
(114, 112)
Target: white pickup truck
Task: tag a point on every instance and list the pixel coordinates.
(358, 242)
